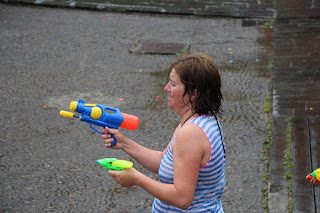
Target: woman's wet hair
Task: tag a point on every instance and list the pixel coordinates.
(200, 76)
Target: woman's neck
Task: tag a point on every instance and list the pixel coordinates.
(187, 116)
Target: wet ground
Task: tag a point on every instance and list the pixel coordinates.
(52, 56)
(296, 106)
(226, 8)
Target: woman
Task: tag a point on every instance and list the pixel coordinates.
(191, 169)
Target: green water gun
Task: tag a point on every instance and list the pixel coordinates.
(114, 164)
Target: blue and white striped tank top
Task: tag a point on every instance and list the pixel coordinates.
(211, 181)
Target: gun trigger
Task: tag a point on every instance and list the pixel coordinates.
(95, 129)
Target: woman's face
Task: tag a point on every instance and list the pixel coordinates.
(175, 89)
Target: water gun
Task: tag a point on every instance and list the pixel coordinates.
(315, 175)
(114, 164)
(101, 115)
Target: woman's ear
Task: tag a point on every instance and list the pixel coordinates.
(195, 94)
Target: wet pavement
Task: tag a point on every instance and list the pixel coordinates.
(226, 8)
(296, 105)
(52, 56)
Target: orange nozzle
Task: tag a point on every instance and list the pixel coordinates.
(130, 122)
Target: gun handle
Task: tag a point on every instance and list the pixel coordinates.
(114, 142)
(112, 136)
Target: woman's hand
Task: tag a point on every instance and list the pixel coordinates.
(107, 140)
(315, 182)
(124, 177)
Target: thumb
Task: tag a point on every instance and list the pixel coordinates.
(112, 173)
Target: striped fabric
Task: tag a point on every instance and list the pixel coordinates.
(211, 182)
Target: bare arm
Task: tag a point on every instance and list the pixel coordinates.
(148, 158)
(189, 148)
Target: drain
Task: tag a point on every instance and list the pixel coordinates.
(249, 23)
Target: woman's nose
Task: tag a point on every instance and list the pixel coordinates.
(166, 88)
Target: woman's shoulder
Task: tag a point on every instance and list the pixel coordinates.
(190, 131)
(191, 140)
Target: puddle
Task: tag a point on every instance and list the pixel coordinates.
(157, 47)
